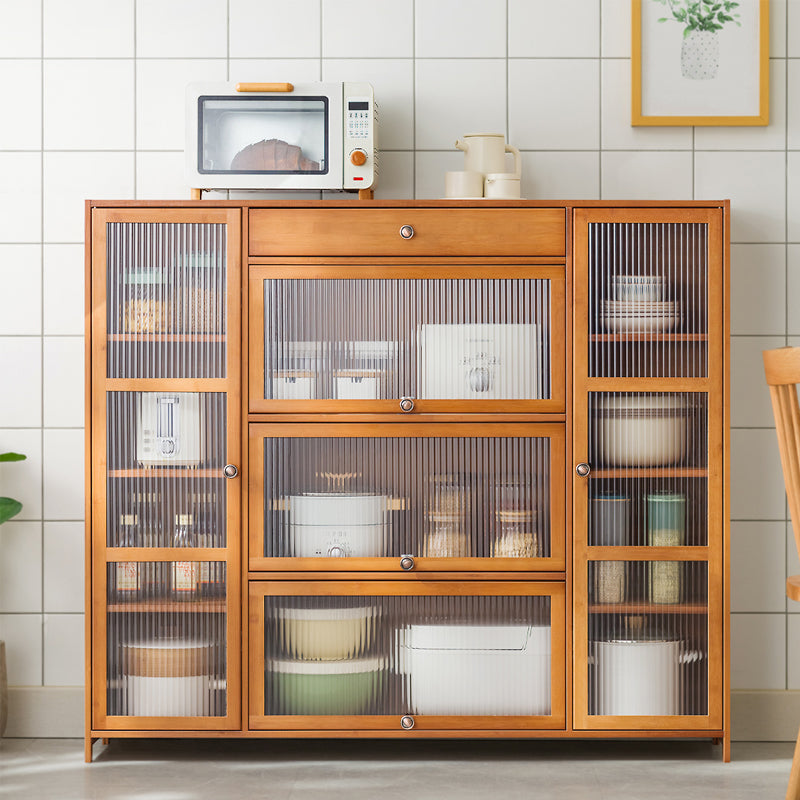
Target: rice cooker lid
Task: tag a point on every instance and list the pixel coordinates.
(353, 667)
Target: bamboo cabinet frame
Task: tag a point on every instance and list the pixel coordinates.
(712, 386)
(453, 240)
(100, 554)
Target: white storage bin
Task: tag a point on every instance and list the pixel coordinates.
(478, 669)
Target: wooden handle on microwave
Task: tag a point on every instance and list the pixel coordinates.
(264, 87)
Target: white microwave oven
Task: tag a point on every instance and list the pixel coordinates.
(281, 136)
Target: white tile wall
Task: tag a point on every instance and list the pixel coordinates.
(275, 28)
(541, 29)
(20, 567)
(758, 651)
(105, 101)
(63, 382)
(63, 567)
(538, 117)
(756, 479)
(63, 474)
(472, 28)
(21, 357)
(21, 298)
(88, 29)
(63, 649)
(757, 567)
(21, 84)
(63, 285)
(758, 289)
(22, 634)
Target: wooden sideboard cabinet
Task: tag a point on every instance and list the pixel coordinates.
(407, 469)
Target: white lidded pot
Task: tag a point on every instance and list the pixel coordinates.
(639, 677)
(641, 430)
(486, 152)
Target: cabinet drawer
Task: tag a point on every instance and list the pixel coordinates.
(436, 232)
(403, 655)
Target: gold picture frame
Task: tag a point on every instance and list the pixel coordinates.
(679, 71)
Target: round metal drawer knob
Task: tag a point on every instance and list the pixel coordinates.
(230, 470)
(583, 469)
(406, 404)
(406, 562)
(407, 232)
(407, 722)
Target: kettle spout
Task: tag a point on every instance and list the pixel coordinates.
(461, 145)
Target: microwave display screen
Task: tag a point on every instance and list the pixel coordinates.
(263, 135)
(358, 105)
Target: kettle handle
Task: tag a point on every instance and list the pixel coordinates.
(461, 145)
(517, 159)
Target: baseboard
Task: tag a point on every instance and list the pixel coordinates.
(765, 716)
(45, 712)
(37, 712)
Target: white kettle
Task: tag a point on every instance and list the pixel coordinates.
(486, 153)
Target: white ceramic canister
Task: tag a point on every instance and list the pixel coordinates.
(638, 678)
(486, 152)
(463, 183)
(642, 430)
(502, 186)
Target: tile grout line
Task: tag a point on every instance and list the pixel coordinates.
(414, 99)
(135, 102)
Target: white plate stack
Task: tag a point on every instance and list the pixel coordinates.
(638, 306)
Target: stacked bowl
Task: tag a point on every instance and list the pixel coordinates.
(638, 306)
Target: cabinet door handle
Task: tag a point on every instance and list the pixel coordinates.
(407, 232)
(407, 722)
(406, 404)
(582, 469)
(407, 562)
(230, 470)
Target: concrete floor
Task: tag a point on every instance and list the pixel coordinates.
(41, 769)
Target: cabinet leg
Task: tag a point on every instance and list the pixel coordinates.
(726, 748)
(88, 741)
(106, 740)
(366, 194)
(197, 194)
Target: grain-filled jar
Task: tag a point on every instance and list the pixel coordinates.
(147, 305)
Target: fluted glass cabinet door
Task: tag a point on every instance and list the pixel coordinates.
(648, 474)
(406, 655)
(471, 338)
(407, 497)
(165, 423)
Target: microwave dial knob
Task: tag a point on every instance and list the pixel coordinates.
(358, 157)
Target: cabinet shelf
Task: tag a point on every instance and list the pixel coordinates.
(648, 608)
(165, 472)
(650, 472)
(649, 337)
(169, 606)
(152, 338)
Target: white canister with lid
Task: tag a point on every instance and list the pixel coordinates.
(502, 186)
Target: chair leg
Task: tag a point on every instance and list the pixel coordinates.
(793, 791)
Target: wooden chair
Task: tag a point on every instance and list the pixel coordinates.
(782, 369)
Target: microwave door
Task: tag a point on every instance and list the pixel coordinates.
(264, 135)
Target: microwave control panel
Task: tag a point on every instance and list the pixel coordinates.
(360, 139)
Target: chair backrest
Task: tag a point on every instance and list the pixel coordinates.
(782, 369)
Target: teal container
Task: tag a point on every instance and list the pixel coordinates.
(666, 519)
(323, 687)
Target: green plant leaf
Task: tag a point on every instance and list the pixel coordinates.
(12, 457)
(9, 508)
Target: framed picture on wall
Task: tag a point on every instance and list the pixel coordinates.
(700, 62)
